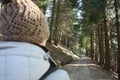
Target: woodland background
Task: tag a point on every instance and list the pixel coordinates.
(86, 27)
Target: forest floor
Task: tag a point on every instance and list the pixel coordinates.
(86, 69)
(79, 68)
(61, 55)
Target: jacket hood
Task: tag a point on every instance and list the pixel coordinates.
(21, 49)
(22, 61)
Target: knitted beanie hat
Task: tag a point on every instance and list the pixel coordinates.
(23, 21)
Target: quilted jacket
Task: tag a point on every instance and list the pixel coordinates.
(22, 61)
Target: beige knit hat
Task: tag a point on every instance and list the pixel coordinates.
(22, 20)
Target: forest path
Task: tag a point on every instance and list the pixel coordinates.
(87, 69)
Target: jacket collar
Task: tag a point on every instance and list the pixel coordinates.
(43, 47)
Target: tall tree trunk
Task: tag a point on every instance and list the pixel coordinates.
(52, 22)
(101, 46)
(107, 45)
(116, 3)
(96, 47)
(92, 46)
(56, 37)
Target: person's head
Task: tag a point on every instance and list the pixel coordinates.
(23, 21)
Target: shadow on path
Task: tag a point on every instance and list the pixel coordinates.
(86, 69)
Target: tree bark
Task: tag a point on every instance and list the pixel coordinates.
(118, 37)
(92, 46)
(56, 37)
(107, 44)
(101, 46)
(97, 43)
(52, 22)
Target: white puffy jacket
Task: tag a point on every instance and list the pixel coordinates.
(22, 61)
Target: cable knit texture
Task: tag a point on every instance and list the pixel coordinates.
(22, 20)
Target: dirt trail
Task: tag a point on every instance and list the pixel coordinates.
(86, 69)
